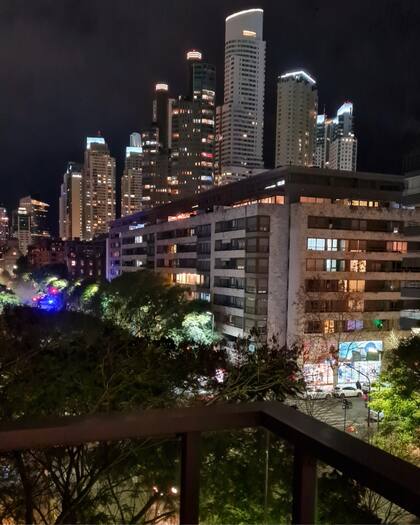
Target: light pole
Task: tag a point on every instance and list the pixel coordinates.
(368, 378)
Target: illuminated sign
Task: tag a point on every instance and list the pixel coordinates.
(179, 217)
(246, 32)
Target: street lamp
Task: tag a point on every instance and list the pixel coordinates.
(368, 378)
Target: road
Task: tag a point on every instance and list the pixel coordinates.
(331, 411)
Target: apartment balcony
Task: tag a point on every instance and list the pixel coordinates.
(411, 230)
(409, 319)
(409, 290)
(310, 444)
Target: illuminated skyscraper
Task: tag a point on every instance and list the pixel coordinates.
(240, 120)
(131, 181)
(21, 228)
(157, 181)
(336, 144)
(98, 185)
(297, 105)
(70, 203)
(38, 214)
(193, 129)
(4, 225)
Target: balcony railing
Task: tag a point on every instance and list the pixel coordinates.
(391, 477)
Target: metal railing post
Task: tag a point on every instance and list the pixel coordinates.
(190, 478)
(304, 488)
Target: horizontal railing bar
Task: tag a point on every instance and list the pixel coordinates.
(74, 430)
(391, 477)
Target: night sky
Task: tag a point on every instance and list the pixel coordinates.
(72, 67)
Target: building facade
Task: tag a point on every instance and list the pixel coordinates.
(131, 180)
(98, 186)
(46, 252)
(297, 107)
(343, 153)
(86, 259)
(38, 216)
(71, 203)
(331, 266)
(194, 129)
(240, 120)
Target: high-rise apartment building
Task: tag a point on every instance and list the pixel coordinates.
(98, 188)
(343, 153)
(21, 228)
(158, 184)
(4, 225)
(297, 107)
(38, 214)
(322, 141)
(131, 181)
(336, 144)
(240, 120)
(70, 203)
(193, 129)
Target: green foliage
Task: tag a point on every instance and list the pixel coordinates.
(340, 500)
(235, 488)
(85, 365)
(7, 298)
(400, 401)
(196, 328)
(147, 306)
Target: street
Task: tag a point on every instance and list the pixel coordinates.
(331, 411)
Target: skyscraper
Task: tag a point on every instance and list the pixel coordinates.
(131, 181)
(21, 228)
(70, 203)
(336, 144)
(4, 225)
(158, 186)
(150, 147)
(343, 153)
(297, 105)
(240, 120)
(38, 215)
(193, 129)
(98, 185)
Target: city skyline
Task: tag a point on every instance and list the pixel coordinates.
(41, 165)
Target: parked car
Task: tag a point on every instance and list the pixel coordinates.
(347, 391)
(317, 393)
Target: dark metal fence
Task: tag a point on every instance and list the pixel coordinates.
(391, 477)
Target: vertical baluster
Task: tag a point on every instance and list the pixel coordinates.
(190, 478)
(304, 488)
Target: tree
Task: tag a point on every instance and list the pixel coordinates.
(147, 306)
(7, 298)
(399, 400)
(83, 365)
